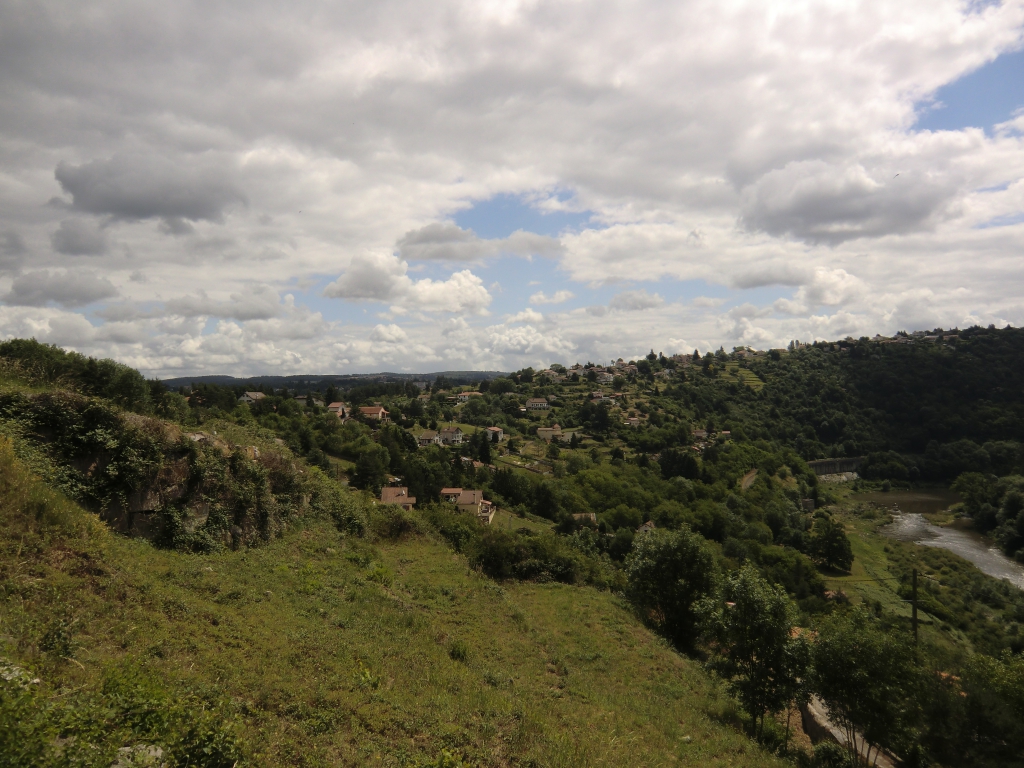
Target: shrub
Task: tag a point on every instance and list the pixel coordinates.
(390, 522)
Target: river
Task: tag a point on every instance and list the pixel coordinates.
(910, 524)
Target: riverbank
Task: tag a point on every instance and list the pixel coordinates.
(960, 607)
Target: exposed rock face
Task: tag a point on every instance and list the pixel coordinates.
(147, 478)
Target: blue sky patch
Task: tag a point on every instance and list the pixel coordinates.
(503, 214)
(980, 99)
(1006, 220)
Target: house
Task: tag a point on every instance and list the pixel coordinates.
(633, 421)
(428, 437)
(374, 412)
(470, 501)
(451, 494)
(451, 436)
(338, 409)
(597, 395)
(465, 397)
(473, 502)
(664, 374)
(303, 399)
(397, 495)
(547, 434)
(648, 526)
(248, 398)
(586, 517)
(495, 434)
(537, 404)
(700, 434)
(605, 378)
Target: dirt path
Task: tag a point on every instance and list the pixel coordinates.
(817, 725)
(748, 479)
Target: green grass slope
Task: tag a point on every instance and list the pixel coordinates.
(323, 649)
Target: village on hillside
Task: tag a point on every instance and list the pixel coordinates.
(530, 423)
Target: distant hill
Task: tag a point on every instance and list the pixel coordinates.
(306, 382)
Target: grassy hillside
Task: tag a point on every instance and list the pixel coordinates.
(325, 649)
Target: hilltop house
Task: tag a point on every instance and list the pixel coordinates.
(340, 410)
(451, 436)
(495, 431)
(303, 399)
(470, 501)
(428, 437)
(547, 434)
(465, 397)
(248, 398)
(374, 413)
(537, 404)
(397, 495)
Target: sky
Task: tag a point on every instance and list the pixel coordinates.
(337, 187)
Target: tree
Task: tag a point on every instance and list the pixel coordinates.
(761, 659)
(676, 462)
(668, 573)
(866, 677)
(829, 544)
(371, 470)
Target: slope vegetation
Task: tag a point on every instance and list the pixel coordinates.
(321, 648)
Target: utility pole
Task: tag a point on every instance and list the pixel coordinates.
(913, 604)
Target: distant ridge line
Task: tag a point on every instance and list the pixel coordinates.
(313, 380)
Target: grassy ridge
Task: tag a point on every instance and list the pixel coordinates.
(320, 649)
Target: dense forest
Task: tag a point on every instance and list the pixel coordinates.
(683, 484)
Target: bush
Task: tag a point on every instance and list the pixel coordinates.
(458, 529)
(390, 522)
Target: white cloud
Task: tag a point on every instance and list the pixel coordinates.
(526, 316)
(384, 278)
(70, 288)
(635, 301)
(558, 297)
(389, 334)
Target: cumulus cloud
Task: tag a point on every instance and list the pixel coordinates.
(388, 334)
(558, 297)
(149, 185)
(444, 241)
(764, 157)
(384, 278)
(820, 202)
(635, 301)
(526, 316)
(69, 288)
(826, 287)
(78, 238)
(261, 302)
